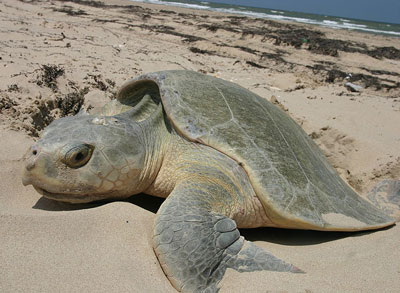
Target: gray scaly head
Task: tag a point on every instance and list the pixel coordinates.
(86, 158)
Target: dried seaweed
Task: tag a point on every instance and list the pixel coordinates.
(49, 76)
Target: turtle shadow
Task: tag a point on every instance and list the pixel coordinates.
(293, 237)
(289, 237)
(147, 202)
(47, 204)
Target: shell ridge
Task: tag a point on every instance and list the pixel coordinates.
(262, 154)
(184, 106)
(325, 195)
(286, 142)
(294, 155)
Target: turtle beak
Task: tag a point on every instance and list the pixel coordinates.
(26, 180)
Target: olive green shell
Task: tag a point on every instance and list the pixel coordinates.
(290, 175)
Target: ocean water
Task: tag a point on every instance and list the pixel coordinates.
(315, 19)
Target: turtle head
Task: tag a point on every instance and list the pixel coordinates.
(86, 158)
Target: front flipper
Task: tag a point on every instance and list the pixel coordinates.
(195, 243)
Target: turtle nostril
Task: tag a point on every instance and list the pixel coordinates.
(35, 150)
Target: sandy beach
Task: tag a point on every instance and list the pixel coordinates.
(59, 56)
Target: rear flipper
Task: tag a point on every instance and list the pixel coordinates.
(386, 196)
(196, 246)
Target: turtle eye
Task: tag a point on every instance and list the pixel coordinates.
(78, 155)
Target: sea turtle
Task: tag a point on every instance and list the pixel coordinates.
(223, 158)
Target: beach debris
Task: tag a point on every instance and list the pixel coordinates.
(35, 116)
(167, 11)
(118, 47)
(385, 52)
(48, 109)
(353, 87)
(296, 88)
(96, 81)
(169, 30)
(315, 135)
(312, 40)
(318, 134)
(6, 103)
(13, 88)
(49, 76)
(201, 51)
(368, 81)
(70, 11)
(71, 103)
(380, 72)
(256, 65)
(277, 57)
(274, 100)
(274, 88)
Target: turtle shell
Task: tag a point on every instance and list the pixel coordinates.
(290, 175)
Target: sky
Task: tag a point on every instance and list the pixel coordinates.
(375, 10)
